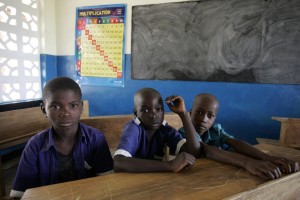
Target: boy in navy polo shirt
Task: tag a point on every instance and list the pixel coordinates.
(144, 137)
(70, 150)
(214, 140)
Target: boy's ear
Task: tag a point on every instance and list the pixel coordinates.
(43, 108)
(81, 107)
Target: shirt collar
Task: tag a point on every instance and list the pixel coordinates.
(137, 121)
(206, 137)
(49, 142)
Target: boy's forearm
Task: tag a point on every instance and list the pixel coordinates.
(128, 164)
(247, 149)
(219, 155)
(192, 145)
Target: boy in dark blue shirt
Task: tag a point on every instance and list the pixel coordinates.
(144, 137)
(68, 151)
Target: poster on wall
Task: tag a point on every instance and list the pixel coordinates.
(99, 45)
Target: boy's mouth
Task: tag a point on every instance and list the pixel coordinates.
(67, 123)
(155, 124)
(201, 127)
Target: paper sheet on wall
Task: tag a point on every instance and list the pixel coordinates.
(99, 45)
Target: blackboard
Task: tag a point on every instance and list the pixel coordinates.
(254, 41)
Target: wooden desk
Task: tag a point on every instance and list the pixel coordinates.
(206, 180)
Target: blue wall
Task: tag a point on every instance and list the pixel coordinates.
(245, 111)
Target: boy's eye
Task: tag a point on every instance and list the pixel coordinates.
(160, 109)
(74, 105)
(54, 107)
(145, 110)
(210, 116)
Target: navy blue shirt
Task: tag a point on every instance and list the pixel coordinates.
(39, 161)
(134, 142)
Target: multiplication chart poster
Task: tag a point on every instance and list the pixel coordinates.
(99, 52)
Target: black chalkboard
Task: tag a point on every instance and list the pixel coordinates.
(218, 40)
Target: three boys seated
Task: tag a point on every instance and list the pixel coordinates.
(71, 150)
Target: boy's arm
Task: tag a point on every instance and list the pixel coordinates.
(263, 169)
(177, 105)
(286, 165)
(102, 159)
(130, 164)
(27, 173)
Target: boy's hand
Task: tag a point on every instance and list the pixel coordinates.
(182, 161)
(263, 169)
(286, 166)
(176, 104)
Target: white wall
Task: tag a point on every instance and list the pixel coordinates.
(47, 27)
(65, 21)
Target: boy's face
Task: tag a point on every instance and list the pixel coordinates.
(204, 113)
(63, 110)
(150, 110)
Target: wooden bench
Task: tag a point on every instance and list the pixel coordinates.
(18, 126)
(113, 125)
(289, 133)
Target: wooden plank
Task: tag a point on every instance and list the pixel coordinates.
(285, 188)
(206, 180)
(112, 126)
(267, 141)
(291, 153)
(289, 131)
(17, 126)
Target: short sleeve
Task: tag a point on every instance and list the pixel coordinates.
(182, 132)
(224, 136)
(174, 139)
(129, 142)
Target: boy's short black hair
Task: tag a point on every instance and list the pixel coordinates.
(61, 83)
(145, 91)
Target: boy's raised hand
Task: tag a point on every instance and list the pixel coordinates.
(176, 104)
(182, 161)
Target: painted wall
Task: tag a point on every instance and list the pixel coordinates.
(246, 109)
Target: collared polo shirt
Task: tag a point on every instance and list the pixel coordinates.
(134, 142)
(215, 136)
(39, 161)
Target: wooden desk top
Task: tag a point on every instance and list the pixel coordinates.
(206, 180)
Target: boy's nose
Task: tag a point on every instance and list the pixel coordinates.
(203, 118)
(152, 114)
(64, 111)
